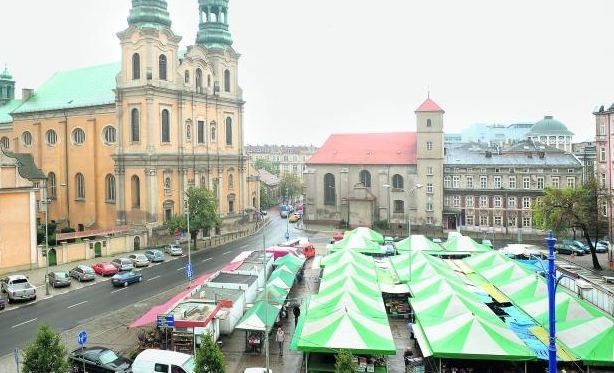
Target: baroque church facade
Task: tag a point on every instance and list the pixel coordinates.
(121, 143)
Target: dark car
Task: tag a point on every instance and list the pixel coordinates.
(126, 278)
(82, 273)
(568, 249)
(98, 359)
(154, 256)
(59, 279)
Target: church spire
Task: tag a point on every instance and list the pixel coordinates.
(213, 27)
(153, 13)
(7, 87)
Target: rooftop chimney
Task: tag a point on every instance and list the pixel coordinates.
(26, 93)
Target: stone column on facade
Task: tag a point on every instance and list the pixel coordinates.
(120, 195)
(182, 174)
(152, 194)
(64, 252)
(345, 191)
(149, 126)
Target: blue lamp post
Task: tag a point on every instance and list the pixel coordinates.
(552, 282)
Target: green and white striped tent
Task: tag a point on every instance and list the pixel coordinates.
(261, 317)
(273, 295)
(486, 259)
(367, 233)
(529, 287)
(444, 305)
(353, 282)
(292, 262)
(464, 244)
(441, 285)
(281, 278)
(417, 242)
(422, 266)
(505, 272)
(592, 340)
(468, 336)
(358, 243)
(342, 257)
(567, 308)
(330, 329)
(350, 300)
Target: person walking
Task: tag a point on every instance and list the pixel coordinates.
(297, 312)
(280, 338)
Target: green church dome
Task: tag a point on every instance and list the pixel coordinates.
(549, 127)
(152, 13)
(5, 75)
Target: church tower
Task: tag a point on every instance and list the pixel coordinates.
(7, 87)
(429, 159)
(213, 26)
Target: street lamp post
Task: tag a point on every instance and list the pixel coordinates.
(46, 202)
(187, 212)
(410, 192)
(388, 186)
(552, 282)
(287, 217)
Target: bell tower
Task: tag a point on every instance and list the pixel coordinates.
(213, 26)
(7, 87)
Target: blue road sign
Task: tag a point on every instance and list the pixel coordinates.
(287, 235)
(82, 337)
(188, 271)
(166, 320)
(16, 356)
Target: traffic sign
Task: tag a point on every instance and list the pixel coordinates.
(287, 235)
(166, 320)
(188, 271)
(82, 337)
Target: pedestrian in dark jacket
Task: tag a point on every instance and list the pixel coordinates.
(297, 312)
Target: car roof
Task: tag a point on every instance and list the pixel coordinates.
(163, 356)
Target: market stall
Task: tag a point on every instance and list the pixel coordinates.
(257, 322)
(417, 242)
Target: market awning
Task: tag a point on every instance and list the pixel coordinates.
(358, 243)
(592, 339)
(260, 317)
(367, 233)
(464, 244)
(417, 242)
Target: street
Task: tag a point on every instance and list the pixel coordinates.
(65, 311)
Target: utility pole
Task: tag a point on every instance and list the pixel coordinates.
(266, 309)
(187, 211)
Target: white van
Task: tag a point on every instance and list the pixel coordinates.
(162, 361)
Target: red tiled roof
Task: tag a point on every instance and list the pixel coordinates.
(429, 106)
(367, 148)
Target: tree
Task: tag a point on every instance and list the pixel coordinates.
(344, 362)
(266, 199)
(209, 358)
(571, 208)
(203, 213)
(290, 186)
(263, 164)
(47, 354)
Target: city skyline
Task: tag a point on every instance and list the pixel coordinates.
(501, 64)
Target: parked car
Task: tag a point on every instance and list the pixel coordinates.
(59, 279)
(148, 360)
(17, 287)
(284, 214)
(294, 218)
(82, 273)
(139, 260)
(126, 278)
(601, 246)
(487, 243)
(105, 268)
(568, 249)
(174, 250)
(123, 264)
(437, 240)
(338, 236)
(154, 256)
(98, 359)
(578, 244)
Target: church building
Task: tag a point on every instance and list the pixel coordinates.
(121, 143)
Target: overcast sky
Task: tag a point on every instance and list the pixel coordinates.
(312, 68)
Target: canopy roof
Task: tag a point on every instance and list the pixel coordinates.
(261, 317)
(345, 328)
(366, 233)
(486, 259)
(350, 283)
(464, 244)
(348, 300)
(568, 308)
(290, 261)
(591, 339)
(529, 287)
(445, 305)
(422, 266)
(505, 272)
(358, 243)
(468, 336)
(347, 256)
(281, 278)
(273, 295)
(417, 242)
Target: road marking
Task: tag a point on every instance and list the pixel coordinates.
(206, 260)
(78, 304)
(153, 278)
(180, 268)
(23, 323)
(227, 252)
(115, 291)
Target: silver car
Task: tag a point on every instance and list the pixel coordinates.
(139, 260)
(82, 273)
(174, 250)
(123, 264)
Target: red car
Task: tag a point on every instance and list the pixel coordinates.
(338, 236)
(104, 269)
